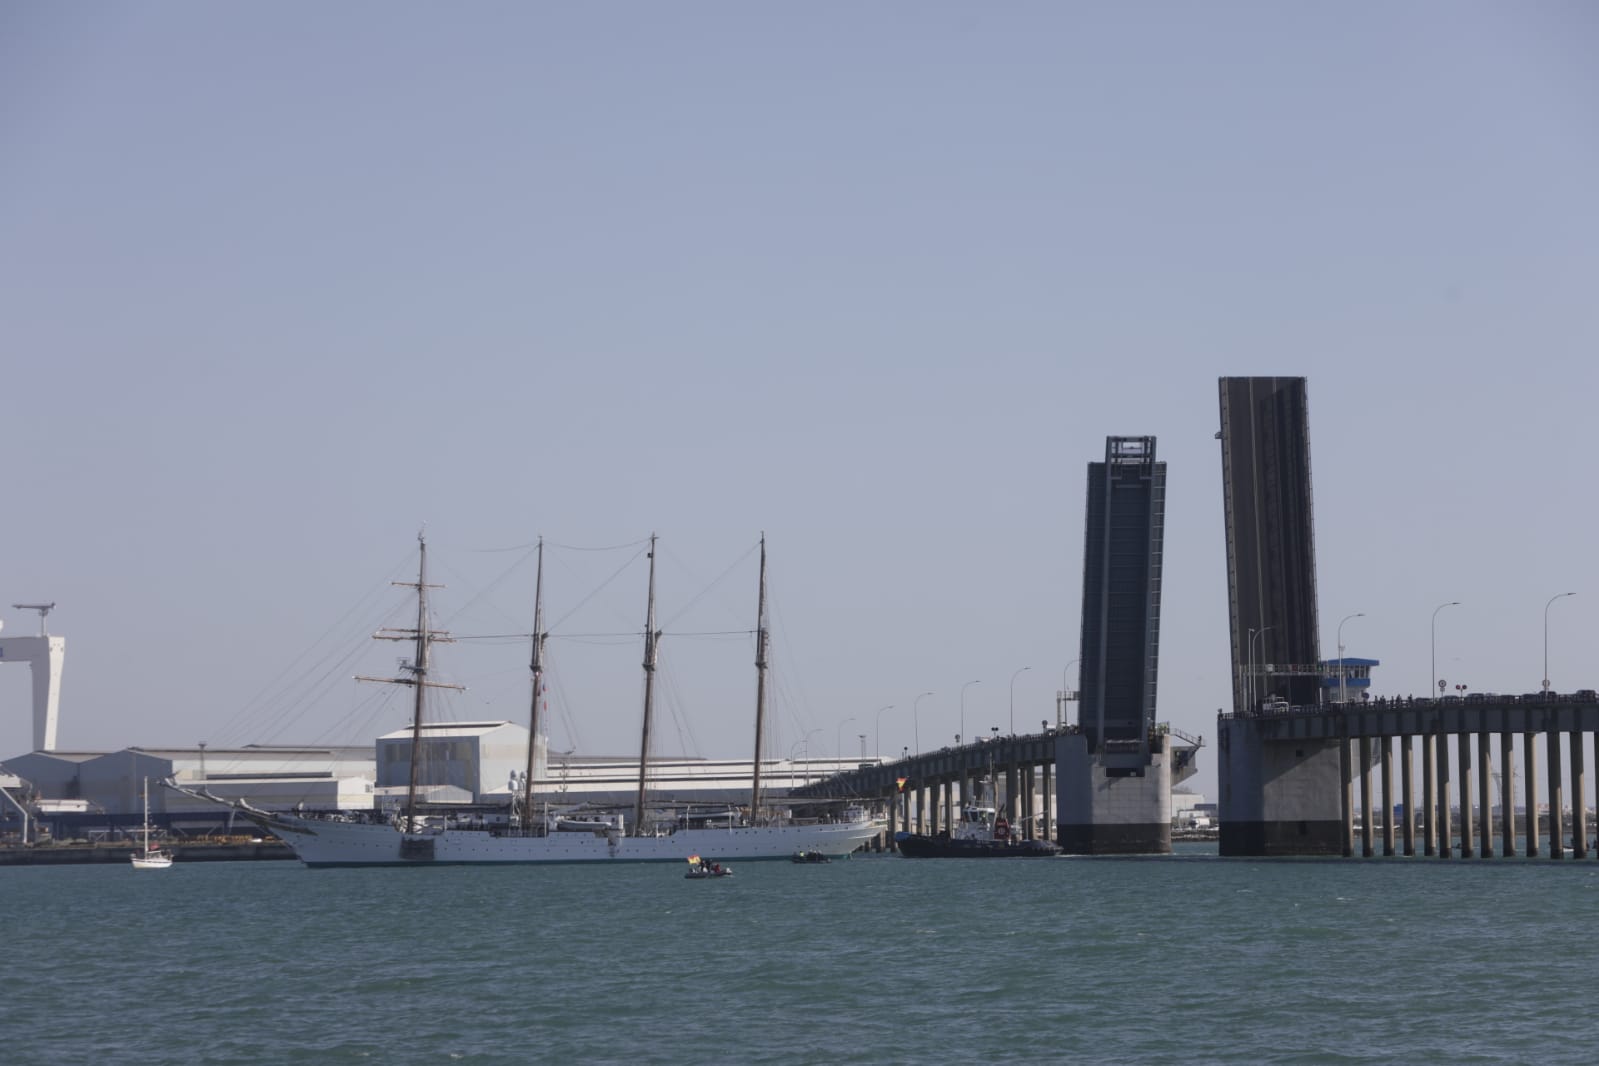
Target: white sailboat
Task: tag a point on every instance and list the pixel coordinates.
(152, 858)
(413, 840)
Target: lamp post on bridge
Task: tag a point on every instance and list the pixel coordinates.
(1435, 610)
(878, 728)
(1013, 678)
(1552, 599)
(1250, 662)
(1343, 671)
(1065, 694)
(964, 687)
(916, 722)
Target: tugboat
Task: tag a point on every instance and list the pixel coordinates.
(981, 834)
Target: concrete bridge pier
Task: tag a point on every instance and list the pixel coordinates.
(1407, 786)
(1367, 812)
(1277, 796)
(1557, 806)
(1346, 806)
(1529, 781)
(1388, 795)
(1468, 845)
(1507, 792)
(1108, 806)
(1429, 797)
(1579, 807)
(1446, 834)
(1485, 762)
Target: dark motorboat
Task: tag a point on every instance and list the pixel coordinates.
(809, 857)
(699, 869)
(981, 834)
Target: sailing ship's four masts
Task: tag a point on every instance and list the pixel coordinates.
(418, 679)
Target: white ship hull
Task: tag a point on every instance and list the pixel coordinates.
(333, 843)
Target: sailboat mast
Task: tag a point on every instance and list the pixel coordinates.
(650, 638)
(419, 673)
(760, 686)
(538, 689)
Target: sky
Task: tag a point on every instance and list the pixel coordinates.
(282, 285)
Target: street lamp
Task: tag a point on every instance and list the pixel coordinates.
(863, 745)
(878, 727)
(964, 687)
(1250, 661)
(1065, 694)
(838, 740)
(1546, 606)
(1435, 610)
(1013, 678)
(1343, 671)
(916, 722)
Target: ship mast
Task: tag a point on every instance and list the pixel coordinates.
(538, 689)
(418, 668)
(760, 687)
(650, 638)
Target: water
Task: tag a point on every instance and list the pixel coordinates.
(878, 959)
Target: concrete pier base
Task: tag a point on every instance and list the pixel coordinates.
(1278, 797)
(1112, 809)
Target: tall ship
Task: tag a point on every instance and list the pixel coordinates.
(418, 837)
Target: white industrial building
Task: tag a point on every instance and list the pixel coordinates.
(463, 763)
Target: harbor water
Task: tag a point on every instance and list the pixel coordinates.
(1188, 959)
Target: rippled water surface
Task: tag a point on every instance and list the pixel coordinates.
(877, 959)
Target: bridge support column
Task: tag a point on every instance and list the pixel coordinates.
(1387, 773)
(1407, 775)
(1446, 834)
(1468, 846)
(1557, 805)
(1367, 813)
(1277, 797)
(1108, 805)
(1346, 830)
(1529, 782)
(1048, 828)
(1579, 805)
(1029, 802)
(1429, 797)
(1485, 763)
(1013, 796)
(1507, 792)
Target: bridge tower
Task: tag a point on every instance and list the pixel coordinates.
(1115, 777)
(44, 654)
(1276, 797)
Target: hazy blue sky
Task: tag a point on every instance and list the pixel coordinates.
(280, 283)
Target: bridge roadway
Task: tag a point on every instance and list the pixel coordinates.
(1363, 735)
(937, 783)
